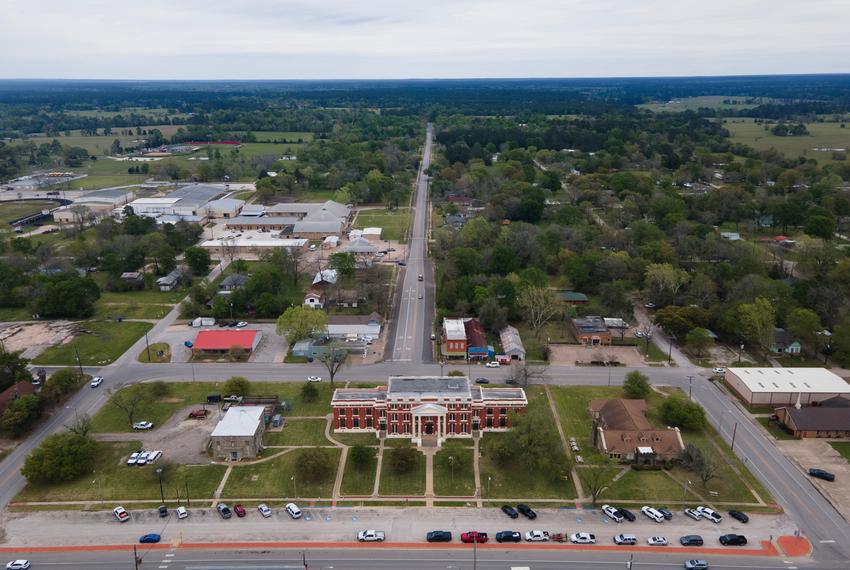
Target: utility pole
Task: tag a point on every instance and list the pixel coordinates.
(188, 502)
(304, 560)
(690, 387)
(79, 362)
(161, 494)
(136, 558)
(629, 561)
(734, 433)
(475, 553)
(148, 347)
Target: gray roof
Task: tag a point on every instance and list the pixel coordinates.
(292, 208)
(331, 227)
(590, 324)
(820, 419)
(418, 385)
(511, 340)
(502, 394)
(254, 209)
(360, 245)
(359, 394)
(108, 194)
(261, 221)
(171, 278)
(197, 194)
(226, 203)
(234, 280)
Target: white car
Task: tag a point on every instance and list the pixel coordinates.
(96, 381)
(241, 324)
(264, 510)
(18, 565)
(154, 455)
(293, 510)
(710, 514)
(142, 425)
(651, 513)
(142, 459)
(134, 457)
(657, 541)
(537, 536)
(182, 513)
(120, 514)
(612, 513)
(493, 364)
(314, 378)
(583, 538)
(718, 371)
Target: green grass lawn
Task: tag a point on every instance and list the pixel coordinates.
(775, 430)
(298, 432)
(154, 351)
(572, 404)
(842, 447)
(654, 354)
(822, 135)
(129, 311)
(155, 297)
(518, 482)
(652, 486)
(98, 343)
(274, 479)
(359, 481)
(113, 480)
(8, 314)
(394, 223)
(356, 438)
(454, 480)
(704, 101)
(10, 211)
(410, 483)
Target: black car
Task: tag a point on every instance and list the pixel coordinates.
(665, 512)
(691, 540)
(439, 536)
(482, 381)
(163, 511)
(508, 536)
(733, 540)
(402, 263)
(510, 511)
(739, 516)
(526, 511)
(224, 511)
(626, 514)
(821, 474)
(510, 381)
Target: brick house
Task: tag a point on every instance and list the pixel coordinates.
(591, 330)
(622, 432)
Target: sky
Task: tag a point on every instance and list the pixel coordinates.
(383, 39)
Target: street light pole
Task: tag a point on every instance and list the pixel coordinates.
(690, 387)
(294, 487)
(161, 494)
(734, 433)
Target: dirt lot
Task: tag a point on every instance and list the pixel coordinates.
(181, 440)
(806, 453)
(35, 338)
(568, 354)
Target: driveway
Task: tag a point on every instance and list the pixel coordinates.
(806, 453)
(569, 354)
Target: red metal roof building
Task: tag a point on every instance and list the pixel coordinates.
(213, 341)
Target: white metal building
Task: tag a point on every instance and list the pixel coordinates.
(783, 386)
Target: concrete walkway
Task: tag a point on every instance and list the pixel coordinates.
(339, 473)
(220, 489)
(429, 474)
(476, 467)
(377, 486)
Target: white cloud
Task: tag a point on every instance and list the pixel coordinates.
(403, 38)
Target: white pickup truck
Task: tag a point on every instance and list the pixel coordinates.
(371, 536)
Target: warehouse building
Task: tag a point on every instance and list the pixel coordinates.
(786, 386)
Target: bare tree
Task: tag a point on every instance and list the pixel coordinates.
(128, 401)
(596, 480)
(81, 425)
(708, 470)
(523, 373)
(539, 306)
(646, 331)
(334, 358)
(228, 248)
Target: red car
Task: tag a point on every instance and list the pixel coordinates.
(239, 510)
(474, 536)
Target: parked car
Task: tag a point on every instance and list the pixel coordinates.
(537, 536)
(96, 381)
(163, 511)
(474, 536)
(402, 263)
(420, 277)
(134, 457)
(182, 513)
(493, 364)
(199, 414)
(371, 536)
(510, 511)
(264, 510)
(151, 538)
(652, 514)
(293, 510)
(153, 455)
(121, 514)
(665, 512)
(241, 324)
(718, 370)
(822, 474)
(691, 540)
(657, 541)
(482, 381)
(626, 514)
(583, 538)
(142, 459)
(696, 564)
(433, 336)
(739, 516)
(18, 565)
(224, 511)
(508, 536)
(733, 540)
(239, 510)
(649, 305)
(232, 398)
(613, 514)
(314, 378)
(142, 425)
(439, 536)
(627, 539)
(710, 514)
(526, 511)
(693, 513)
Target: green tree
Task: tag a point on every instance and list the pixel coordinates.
(663, 282)
(361, 456)
(20, 415)
(309, 392)
(198, 260)
(60, 457)
(127, 401)
(237, 386)
(60, 383)
(315, 465)
(297, 323)
(698, 339)
(636, 385)
(402, 459)
(13, 368)
(532, 442)
(819, 226)
(680, 412)
(757, 322)
(343, 263)
(804, 324)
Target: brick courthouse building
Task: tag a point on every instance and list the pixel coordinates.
(426, 409)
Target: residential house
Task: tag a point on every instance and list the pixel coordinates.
(314, 298)
(169, 282)
(135, 279)
(783, 343)
(622, 432)
(233, 282)
(15, 391)
(361, 247)
(591, 330)
(325, 278)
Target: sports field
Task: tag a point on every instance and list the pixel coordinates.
(10, 211)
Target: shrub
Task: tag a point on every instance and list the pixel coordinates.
(679, 412)
(636, 385)
(60, 457)
(237, 385)
(309, 392)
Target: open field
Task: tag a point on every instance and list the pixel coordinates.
(99, 342)
(735, 102)
(154, 296)
(10, 211)
(267, 136)
(359, 481)
(454, 477)
(125, 111)
(273, 478)
(394, 223)
(298, 432)
(129, 310)
(410, 483)
(100, 144)
(517, 481)
(823, 135)
(113, 479)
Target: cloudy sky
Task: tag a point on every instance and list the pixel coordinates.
(310, 39)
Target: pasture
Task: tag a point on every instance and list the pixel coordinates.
(705, 102)
(822, 135)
